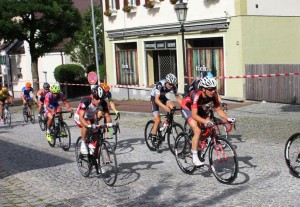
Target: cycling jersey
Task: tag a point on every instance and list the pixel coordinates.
(196, 101)
(41, 94)
(4, 96)
(161, 88)
(26, 92)
(89, 110)
(52, 101)
(107, 95)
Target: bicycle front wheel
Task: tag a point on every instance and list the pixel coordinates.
(7, 117)
(32, 117)
(42, 122)
(53, 140)
(113, 136)
(65, 137)
(84, 163)
(223, 161)
(25, 115)
(183, 153)
(176, 129)
(107, 162)
(292, 154)
(148, 138)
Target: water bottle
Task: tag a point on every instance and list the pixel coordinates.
(164, 126)
(92, 147)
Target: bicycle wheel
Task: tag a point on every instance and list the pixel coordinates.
(25, 114)
(7, 117)
(52, 143)
(84, 163)
(148, 138)
(223, 161)
(113, 138)
(32, 117)
(107, 161)
(42, 122)
(176, 129)
(183, 153)
(292, 154)
(65, 137)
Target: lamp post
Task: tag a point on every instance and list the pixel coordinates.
(181, 12)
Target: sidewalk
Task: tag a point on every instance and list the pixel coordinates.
(139, 106)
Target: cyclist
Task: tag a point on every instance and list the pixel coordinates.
(52, 106)
(5, 98)
(107, 94)
(159, 99)
(41, 96)
(25, 94)
(195, 115)
(87, 112)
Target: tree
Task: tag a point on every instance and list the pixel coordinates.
(81, 48)
(43, 24)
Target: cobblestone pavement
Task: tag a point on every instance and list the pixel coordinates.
(34, 174)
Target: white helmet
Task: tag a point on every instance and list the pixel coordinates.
(171, 78)
(207, 82)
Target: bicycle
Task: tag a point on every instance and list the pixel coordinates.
(222, 156)
(171, 130)
(28, 112)
(292, 154)
(102, 157)
(60, 130)
(6, 115)
(112, 137)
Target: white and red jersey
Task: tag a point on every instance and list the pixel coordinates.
(90, 110)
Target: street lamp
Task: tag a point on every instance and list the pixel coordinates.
(181, 12)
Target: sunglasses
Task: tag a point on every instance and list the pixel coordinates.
(211, 89)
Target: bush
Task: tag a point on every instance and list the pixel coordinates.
(70, 73)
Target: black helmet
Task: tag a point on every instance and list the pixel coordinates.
(97, 92)
(46, 86)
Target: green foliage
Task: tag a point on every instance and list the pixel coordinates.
(70, 73)
(93, 68)
(43, 24)
(81, 48)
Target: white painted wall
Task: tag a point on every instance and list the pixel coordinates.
(273, 7)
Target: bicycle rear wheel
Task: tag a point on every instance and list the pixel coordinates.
(183, 153)
(292, 154)
(176, 129)
(7, 117)
(107, 161)
(84, 163)
(65, 137)
(223, 161)
(148, 138)
(42, 122)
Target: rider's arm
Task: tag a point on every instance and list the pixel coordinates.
(82, 120)
(221, 113)
(196, 117)
(112, 106)
(67, 105)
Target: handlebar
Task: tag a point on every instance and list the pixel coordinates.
(64, 112)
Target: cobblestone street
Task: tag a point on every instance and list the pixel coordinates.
(34, 174)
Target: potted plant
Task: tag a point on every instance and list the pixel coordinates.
(110, 12)
(152, 4)
(127, 9)
(107, 13)
(173, 1)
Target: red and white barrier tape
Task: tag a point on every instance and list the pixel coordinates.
(217, 77)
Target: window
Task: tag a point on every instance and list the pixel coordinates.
(112, 4)
(132, 2)
(2, 59)
(127, 70)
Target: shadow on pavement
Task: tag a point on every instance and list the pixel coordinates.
(16, 158)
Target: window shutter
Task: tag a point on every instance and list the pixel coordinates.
(125, 3)
(117, 4)
(138, 2)
(106, 5)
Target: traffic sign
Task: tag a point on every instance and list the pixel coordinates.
(92, 77)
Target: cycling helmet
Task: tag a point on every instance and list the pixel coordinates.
(207, 82)
(55, 89)
(46, 86)
(97, 92)
(4, 89)
(105, 87)
(171, 78)
(28, 84)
